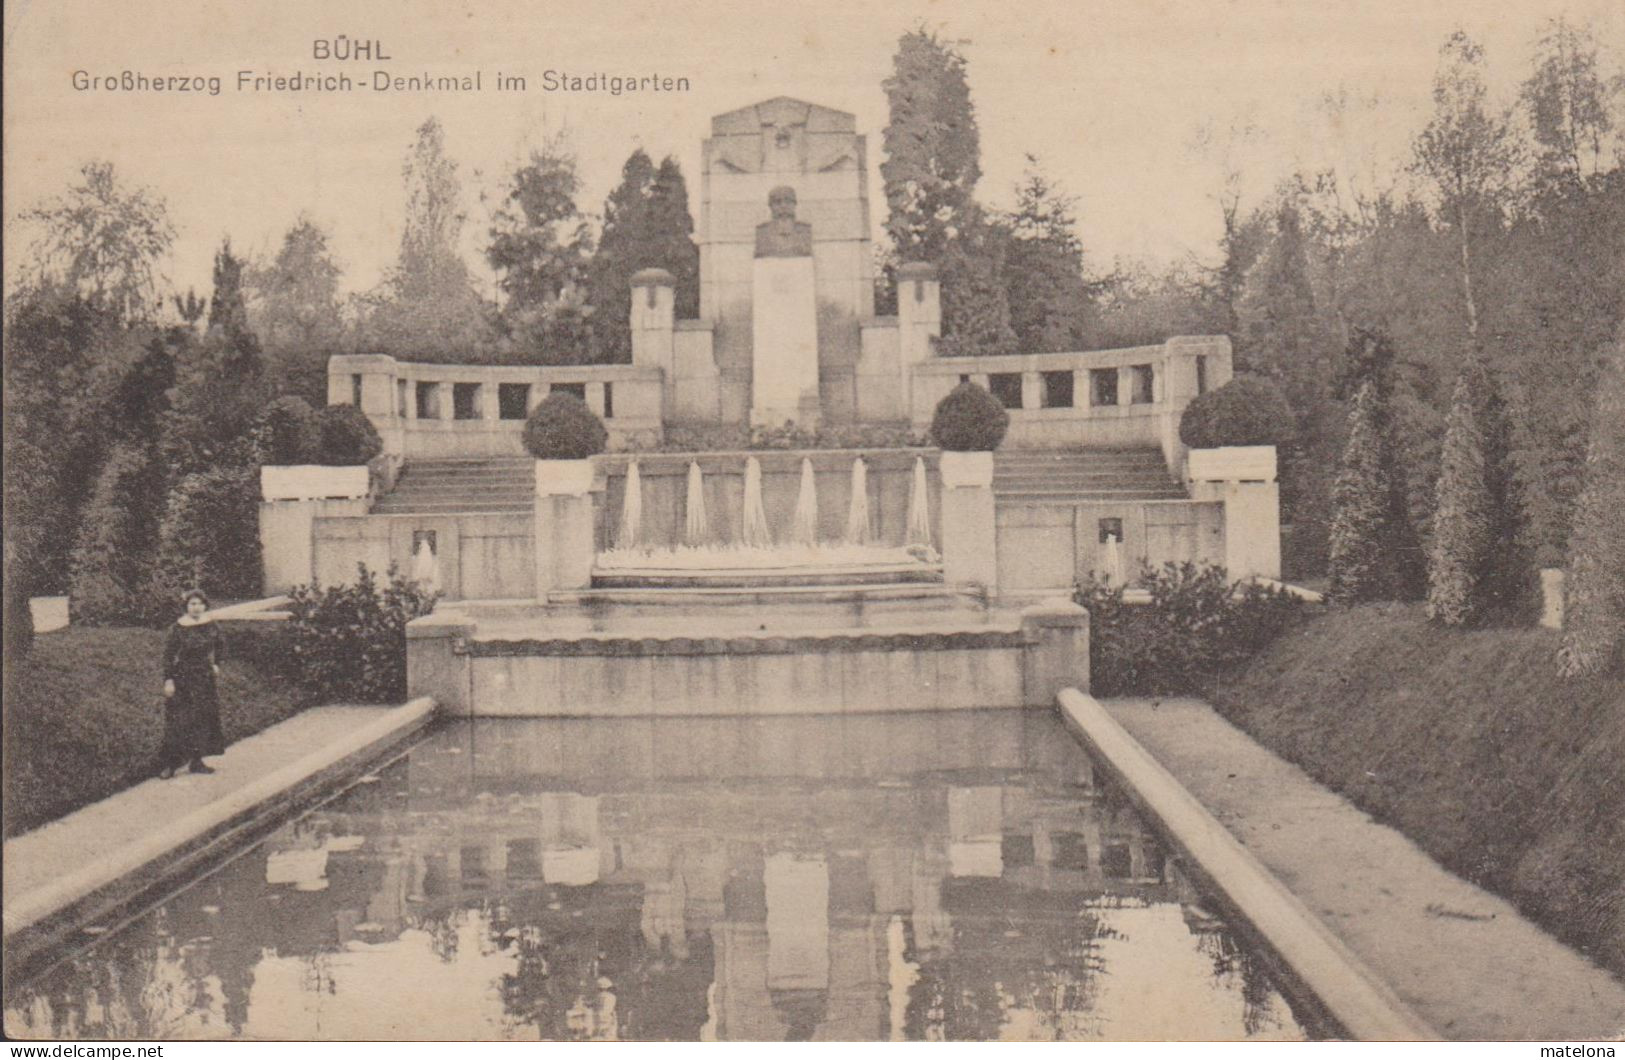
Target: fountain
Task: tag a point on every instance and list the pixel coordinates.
(755, 532)
(857, 516)
(631, 509)
(696, 527)
(1114, 561)
(804, 527)
(919, 508)
(425, 568)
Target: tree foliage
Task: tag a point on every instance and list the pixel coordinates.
(932, 147)
(293, 306)
(646, 225)
(1461, 522)
(104, 241)
(1594, 637)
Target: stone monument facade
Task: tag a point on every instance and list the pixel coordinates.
(815, 153)
(784, 320)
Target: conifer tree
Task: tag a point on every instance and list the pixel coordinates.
(1594, 634)
(1461, 530)
(1360, 498)
(646, 225)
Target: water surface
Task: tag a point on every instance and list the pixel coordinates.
(904, 876)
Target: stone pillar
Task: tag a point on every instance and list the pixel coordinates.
(969, 548)
(564, 543)
(784, 342)
(919, 323)
(378, 373)
(1243, 477)
(1057, 652)
(437, 661)
(652, 302)
(1551, 592)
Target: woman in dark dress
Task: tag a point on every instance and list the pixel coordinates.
(191, 706)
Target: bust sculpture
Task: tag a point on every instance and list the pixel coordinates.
(784, 236)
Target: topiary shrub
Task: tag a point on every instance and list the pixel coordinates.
(969, 420)
(1245, 411)
(348, 437)
(289, 432)
(562, 427)
(348, 642)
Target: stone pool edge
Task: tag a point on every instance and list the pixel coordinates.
(208, 834)
(1351, 994)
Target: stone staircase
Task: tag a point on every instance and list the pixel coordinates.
(477, 485)
(1064, 476)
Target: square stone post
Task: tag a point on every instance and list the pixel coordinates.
(969, 533)
(437, 661)
(564, 543)
(1243, 477)
(1057, 652)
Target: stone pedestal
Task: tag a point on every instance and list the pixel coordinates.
(437, 661)
(1057, 651)
(292, 499)
(784, 343)
(1243, 477)
(564, 545)
(969, 533)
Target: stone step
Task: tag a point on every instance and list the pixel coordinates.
(1065, 496)
(452, 508)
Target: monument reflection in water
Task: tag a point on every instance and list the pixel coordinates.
(942, 876)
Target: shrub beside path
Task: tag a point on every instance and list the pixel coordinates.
(1462, 958)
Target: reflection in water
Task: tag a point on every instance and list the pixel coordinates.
(927, 876)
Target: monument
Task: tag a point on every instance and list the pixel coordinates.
(784, 322)
(817, 154)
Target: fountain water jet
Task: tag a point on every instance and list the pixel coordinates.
(696, 527)
(755, 532)
(631, 509)
(804, 528)
(857, 516)
(919, 508)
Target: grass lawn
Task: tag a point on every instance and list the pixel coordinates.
(1469, 743)
(84, 717)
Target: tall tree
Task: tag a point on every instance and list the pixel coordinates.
(1594, 637)
(646, 225)
(1567, 100)
(428, 303)
(932, 146)
(1050, 301)
(540, 246)
(1360, 507)
(293, 306)
(1469, 153)
(104, 241)
(1461, 520)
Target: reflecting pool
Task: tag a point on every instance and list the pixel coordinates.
(956, 875)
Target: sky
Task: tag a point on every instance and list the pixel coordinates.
(1116, 99)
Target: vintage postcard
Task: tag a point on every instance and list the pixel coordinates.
(699, 522)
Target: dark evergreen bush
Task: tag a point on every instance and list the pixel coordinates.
(209, 538)
(1197, 625)
(562, 427)
(969, 420)
(348, 437)
(348, 642)
(111, 567)
(1245, 411)
(289, 432)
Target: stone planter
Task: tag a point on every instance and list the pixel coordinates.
(1231, 463)
(563, 478)
(966, 469)
(312, 482)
